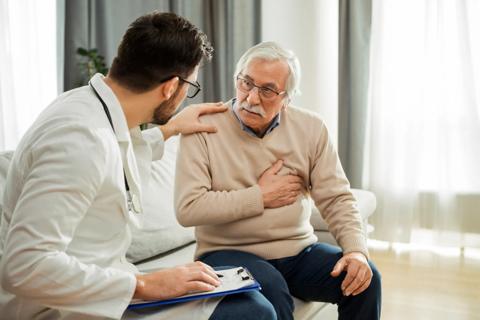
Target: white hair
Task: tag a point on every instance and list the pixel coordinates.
(272, 51)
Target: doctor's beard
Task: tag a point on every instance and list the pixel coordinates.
(166, 109)
(255, 109)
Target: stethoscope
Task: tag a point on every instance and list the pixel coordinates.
(132, 199)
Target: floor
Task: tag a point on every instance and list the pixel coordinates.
(428, 283)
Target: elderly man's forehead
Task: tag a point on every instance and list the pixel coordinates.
(279, 65)
(269, 73)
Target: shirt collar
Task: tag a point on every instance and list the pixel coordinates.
(114, 107)
(273, 124)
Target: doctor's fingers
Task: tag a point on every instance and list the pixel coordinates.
(196, 286)
(202, 127)
(205, 108)
(199, 264)
(202, 267)
(203, 276)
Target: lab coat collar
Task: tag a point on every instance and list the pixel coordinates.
(113, 105)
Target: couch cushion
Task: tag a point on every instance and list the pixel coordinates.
(160, 231)
(366, 205)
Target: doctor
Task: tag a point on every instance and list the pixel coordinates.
(73, 187)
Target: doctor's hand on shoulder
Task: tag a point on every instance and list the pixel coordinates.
(175, 282)
(187, 121)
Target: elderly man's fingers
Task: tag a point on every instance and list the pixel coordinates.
(357, 281)
(296, 187)
(363, 287)
(352, 272)
(338, 268)
(275, 168)
(291, 178)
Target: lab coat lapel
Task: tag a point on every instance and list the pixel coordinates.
(133, 178)
(122, 134)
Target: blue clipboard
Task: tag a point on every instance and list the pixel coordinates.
(239, 274)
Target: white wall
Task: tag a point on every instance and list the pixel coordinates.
(310, 29)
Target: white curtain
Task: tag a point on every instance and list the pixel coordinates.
(28, 70)
(424, 123)
(312, 33)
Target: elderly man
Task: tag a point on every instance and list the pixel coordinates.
(246, 190)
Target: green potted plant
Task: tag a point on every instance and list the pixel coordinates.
(91, 62)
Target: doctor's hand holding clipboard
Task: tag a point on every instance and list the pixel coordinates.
(175, 282)
(232, 280)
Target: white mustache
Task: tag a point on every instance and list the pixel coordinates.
(255, 109)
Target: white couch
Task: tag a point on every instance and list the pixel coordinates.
(162, 242)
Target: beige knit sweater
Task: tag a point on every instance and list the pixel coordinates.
(216, 187)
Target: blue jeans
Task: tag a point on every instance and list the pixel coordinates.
(305, 276)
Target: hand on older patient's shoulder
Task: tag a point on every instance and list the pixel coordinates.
(187, 121)
(177, 281)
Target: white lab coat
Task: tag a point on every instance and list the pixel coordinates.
(65, 227)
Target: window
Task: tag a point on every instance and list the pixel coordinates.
(28, 60)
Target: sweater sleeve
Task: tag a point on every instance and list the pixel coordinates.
(195, 202)
(331, 193)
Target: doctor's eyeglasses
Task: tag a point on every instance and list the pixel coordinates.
(193, 88)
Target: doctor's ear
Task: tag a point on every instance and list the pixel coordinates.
(168, 88)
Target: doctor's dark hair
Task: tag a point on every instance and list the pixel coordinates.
(156, 47)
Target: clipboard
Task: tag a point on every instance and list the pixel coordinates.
(233, 280)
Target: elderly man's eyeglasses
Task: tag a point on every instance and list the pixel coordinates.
(193, 88)
(246, 85)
